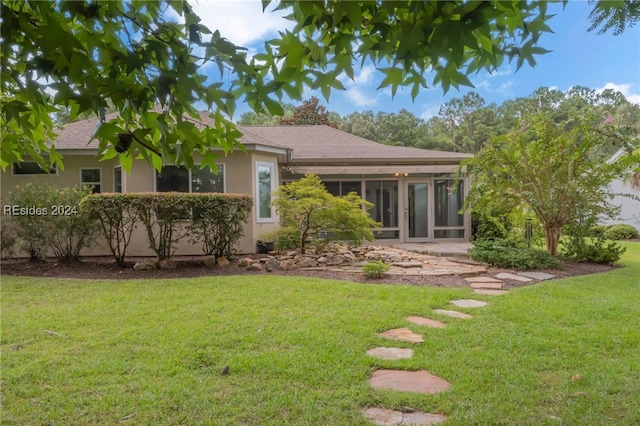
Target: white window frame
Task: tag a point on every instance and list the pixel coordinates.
(224, 177)
(272, 185)
(82, 183)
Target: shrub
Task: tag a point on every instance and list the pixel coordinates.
(116, 217)
(620, 232)
(52, 220)
(596, 250)
(162, 214)
(309, 208)
(510, 257)
(596, 231)
(218, 221)
(486, 227)
(375, 269)
(8, 236)
(283, 238)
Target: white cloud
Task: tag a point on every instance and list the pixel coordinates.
(360, 97)
(360, 90)
(489, 84)
(625, 89)
(429, 110)
(240, 21)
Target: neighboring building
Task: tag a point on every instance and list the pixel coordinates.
(629, 207)
(410, 188)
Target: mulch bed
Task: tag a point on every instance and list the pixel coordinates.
(99, 268)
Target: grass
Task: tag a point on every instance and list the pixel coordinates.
(151, 352)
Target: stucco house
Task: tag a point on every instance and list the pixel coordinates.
(410, 188)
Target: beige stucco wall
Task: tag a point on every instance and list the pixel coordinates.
(240, 178)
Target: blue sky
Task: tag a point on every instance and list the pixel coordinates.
(577, 58)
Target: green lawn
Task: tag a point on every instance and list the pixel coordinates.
(150, 352)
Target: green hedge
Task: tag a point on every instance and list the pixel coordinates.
(213, 219)
(505, 255)
(47, 219)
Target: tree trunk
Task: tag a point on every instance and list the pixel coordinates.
(553, 239)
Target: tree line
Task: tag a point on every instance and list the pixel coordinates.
(467, 123)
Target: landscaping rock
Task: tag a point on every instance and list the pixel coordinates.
(482, 280)
(410, 264)
(323, 259)
(307, 262)
(426, 322)
(287, 265)
(454, 314)
(469, 303)
(409, 381)
(507, 276)
(403, 334)
(489, 292)
(168, 264)
(391, 354)
(488, 285)
(387, 417)
(257, 266)
(244, 262)
(146, 265)
(272, 265)
(222, 261)
(541, 276)
(210, 261)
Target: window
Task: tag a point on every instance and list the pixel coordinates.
(91, 178)
(384, 196)
(264, 186)
(181, 179)
(117, 179)
(449, 203)
(32, 168)
(343, 188)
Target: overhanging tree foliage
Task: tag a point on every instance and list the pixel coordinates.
(133, 57)
(548, 167)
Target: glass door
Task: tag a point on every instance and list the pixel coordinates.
(417, 211)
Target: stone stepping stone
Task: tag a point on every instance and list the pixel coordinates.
(469, 303)
(489, 292)
(507, 276)
(454, 314)
(387, 417)
(426, 322)
(542, 276)
(391, 354)
(408, 264)
(493, 286)
(482, 280)
(408, 381)
(402, 334)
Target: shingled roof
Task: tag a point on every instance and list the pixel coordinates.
(307, 144)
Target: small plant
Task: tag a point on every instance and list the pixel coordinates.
(620, 232)
(375, 270)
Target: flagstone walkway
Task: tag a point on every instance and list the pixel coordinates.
(423, 381)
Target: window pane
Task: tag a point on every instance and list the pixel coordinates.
(31, 168)
(205, 180)
(333, 188)
(90, 178)
(90, 175)
(449, 233)
(348, 187)
(264, 192)
(117, 179)
(384, 196)
(448, 203)
(172, 179)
